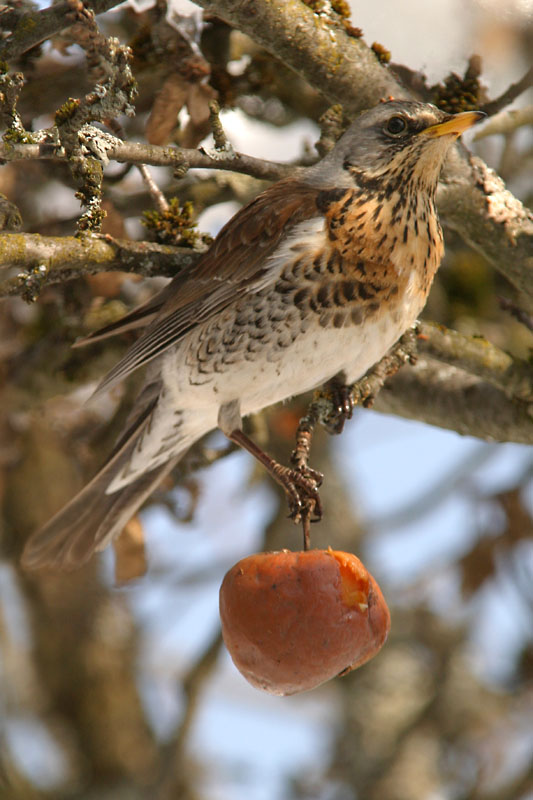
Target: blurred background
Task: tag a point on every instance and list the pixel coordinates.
(114, 689)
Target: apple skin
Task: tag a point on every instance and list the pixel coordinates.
(292, 620)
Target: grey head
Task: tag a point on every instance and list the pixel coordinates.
(399, 140)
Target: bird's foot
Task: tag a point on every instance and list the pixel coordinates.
(301, 486)
(341, 396)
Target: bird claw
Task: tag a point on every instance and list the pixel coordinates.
(301, 487)
(343, 403)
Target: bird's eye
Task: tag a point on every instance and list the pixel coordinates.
(396, 125)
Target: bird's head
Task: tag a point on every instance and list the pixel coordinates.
(397, 142)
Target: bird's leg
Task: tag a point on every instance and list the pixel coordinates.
(299, 483)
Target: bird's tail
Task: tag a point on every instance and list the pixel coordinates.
(92, 519)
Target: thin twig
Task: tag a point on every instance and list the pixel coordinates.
(331, 128)
(111, 95)
(510, 94)
(518, 313)
(217, 129)
(154, 155)
(506, 123)
(172, 781)
(300, 458)
(156, 194)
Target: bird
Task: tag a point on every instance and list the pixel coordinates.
(313, 281)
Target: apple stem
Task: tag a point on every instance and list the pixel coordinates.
(306, 526)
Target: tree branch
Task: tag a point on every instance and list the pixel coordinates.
(70, 257)
(173, 779)
(478, 357)
(510, 94)
(34, 27)
(110, 148)
(475, 202)
(506, 123)
(449, 398)
(342, 67)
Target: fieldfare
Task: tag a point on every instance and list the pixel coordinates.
(313, 280)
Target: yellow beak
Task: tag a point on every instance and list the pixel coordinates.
(454, 125)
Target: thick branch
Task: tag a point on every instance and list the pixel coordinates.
(478, 357)
(450, 398)
(70, 257)
(34, 27)
(342, 67)
(475, 202)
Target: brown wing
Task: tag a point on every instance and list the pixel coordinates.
(235, 264)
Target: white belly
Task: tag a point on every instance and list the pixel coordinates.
(313, 358)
